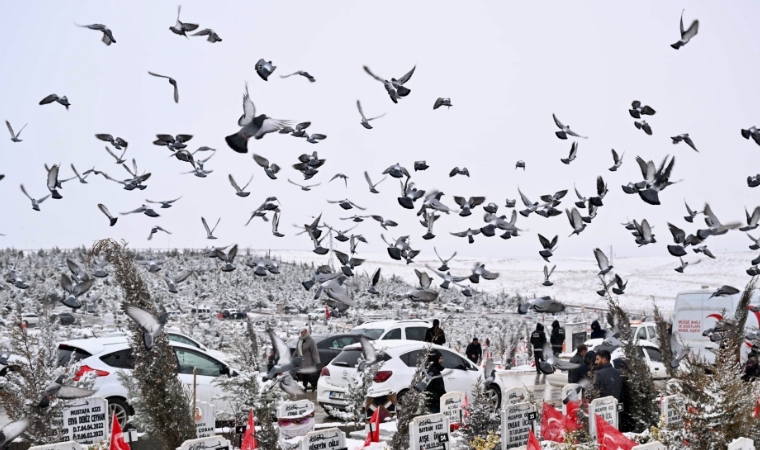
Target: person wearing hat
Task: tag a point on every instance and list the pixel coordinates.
(474, 351)
(435, 334)
(436, 388)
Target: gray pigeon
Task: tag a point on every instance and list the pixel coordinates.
(565, 130)
(394, 87)
(150, 325)
(687, 34)
(35, 203)
(107, 35)
(172, 81)
(253, 126)
(617, 160)
(440, 101)
(373, 282)
(637, 110)
(181, 28)
(725, 290)
(264, 69)
(643, 125)
(74, 291)
(365, 122)
(541, 305)
(58, 389)
(54, 98)
(684, 138)
(304, 74)
(369, 353)
(212, 36)
(240, 192)
(573, 154)
(10, 431)
(14, 136)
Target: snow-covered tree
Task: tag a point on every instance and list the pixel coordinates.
(356, 396)
(410, 405)
(664, 340)
(481, 419)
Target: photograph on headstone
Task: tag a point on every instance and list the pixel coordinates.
(205, 419)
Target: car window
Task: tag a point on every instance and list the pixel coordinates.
(652, 333)
(654, 354)
(416, 333)
(410, 359)
(393, 334)
(337, 343)
(640, 351)
(642, 334)
(67, 354)
(371, 333)
(189, 359)
(452, 361)
(122, 359)
(183, 340)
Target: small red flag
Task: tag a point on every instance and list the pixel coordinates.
(609, 438)
(327, 312)
(373, 435)
(552, 424)
(117, 436)
(249, 436)
(533, 442)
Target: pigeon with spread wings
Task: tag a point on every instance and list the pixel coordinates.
(253, 126)
(150, 325)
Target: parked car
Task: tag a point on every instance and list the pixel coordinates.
(316, 314)
(450, 307)
(233, 314)
(328, 345)
(413, 330)
(64, 318)
(29, 319)
(395, 374)
(187, 340)
(108, 356)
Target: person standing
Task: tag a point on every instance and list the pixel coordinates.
(436, 388)
(435, 334)
(608, 381)
(474, 351)
(306, 348)
(596, 331)
(538, 340)
(573, 376)
(557, 338)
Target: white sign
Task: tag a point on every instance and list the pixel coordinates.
(655, 445)
(741, 443)
(59, 446)
(451, 406)
(669, 409)
(430, 432)
(207, 443)
(86, 421)
(516, 423)
(299, 408)
(295, 419)
(563, 393)
(330, 438)
(205, 426)
(515, 395)
(606, 407)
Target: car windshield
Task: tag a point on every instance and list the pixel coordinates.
(371, 333)
(68, 354)
(347, 358)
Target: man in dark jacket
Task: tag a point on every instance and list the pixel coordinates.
(607, 381)
(588, 365)
(474, 351)
(596, 331)
(436, 387)
(573, 375)
(538, 340)
(557, 338)
(435, 334)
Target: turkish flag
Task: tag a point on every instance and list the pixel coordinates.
(249, 436)
(466, 406)
(327, 312)
(117, 436)
(552, 424)
(609, 438)
(571, 419)
(533, 442)
(373, 435)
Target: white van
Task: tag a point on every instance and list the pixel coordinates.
(695, 311)
(201, 310)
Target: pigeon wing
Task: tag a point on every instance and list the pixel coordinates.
(142, 317)
(72, 392)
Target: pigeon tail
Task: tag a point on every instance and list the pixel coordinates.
(237, 142)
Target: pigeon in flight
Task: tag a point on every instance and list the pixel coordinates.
(704, 250)
(346, 204)
(687, 34)
(368, 351)
(253, 126)
(166, 203)
(155, 230)
(429, 222)
(144, 209)
(299, 131)
(112, 220)
(752, 132)
(340, 175)
(306, 188)
(212, 36)
(150, 325)
(74, 290)
(637, 110)
(619, 288)
(685, 138)
(420, 165)
(576, 221)
(58, 389)
(300, 72)
(478, 271)
(458, 171)
(285, 362)
(240, 192)
(265, 68)
(409, 194)
(753, 180)
(384, 223)
(10, 431)
(397, 171)
(288, 385)
(429, 377)
(755, 243)
(35, 203)
(643, 125)
(107, 35)
(118, 143)
(548, 273)
(644, 233)
(347, 263)
(679, 237)
(181, 28)
(228, 258)
(210, 232)
(520, 165)
(172, 81)
(14, 136)
(173, 142)
(565, 130)
(276, 225)
(724, 291)
(365, 122)
(617, 160)
(54, 98)
(573, 153)
(394, 87)
(548, 247)
(173, 281)
(468, 204)
(684, 264)
(691, 214)
(373, 186)
(444, 262)
(752, 219)
(440, 101)
(270, 169)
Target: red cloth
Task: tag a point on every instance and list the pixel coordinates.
(373, 435)
(552, 424)
(249, 436)
(571, 420)
(533, 442)
(117, 436)
(327, 312)
(466, 406)
(609, 438)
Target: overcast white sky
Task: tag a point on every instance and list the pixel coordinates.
(507, 66)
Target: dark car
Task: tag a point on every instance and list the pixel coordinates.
(329, 345)
(64, 318)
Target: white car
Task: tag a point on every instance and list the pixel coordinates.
(450, 307)
(413, 330)
(30, 319)
(316, 314)
(395, 375)
(108, 356)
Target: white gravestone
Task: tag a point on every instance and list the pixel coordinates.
(741, 443)
(670, 408)
(563, 394)
(205, 426)
(86, 421)
(451, 406)
(207, 443)
(515, 395)
(606, 407)
(295, 418)
(429, 432)
(330, 438)
(59, 446)
(516, 423)
(656, 445)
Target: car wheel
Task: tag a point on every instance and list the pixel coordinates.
(494, 396)
(120, 408)
(400, 398)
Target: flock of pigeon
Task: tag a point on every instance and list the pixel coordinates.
(429, 207)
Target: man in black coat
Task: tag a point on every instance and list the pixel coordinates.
(474, 351)
(607, 380)
(435, 334)
(538, 340)
(557, 338)
(596, 331)
(573, 376)
(436, 388)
